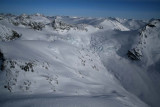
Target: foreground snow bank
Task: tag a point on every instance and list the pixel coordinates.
(46, 100)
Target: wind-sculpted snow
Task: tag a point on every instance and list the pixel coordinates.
(84, 58)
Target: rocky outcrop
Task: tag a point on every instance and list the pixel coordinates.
(14, 36)
(148, 37)
(134, 54)
(60, 25)
(14, 69)
(26, 20)
(7, 34)
(56, 24)
(36, 25)
(2, 59)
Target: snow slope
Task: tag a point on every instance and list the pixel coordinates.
(139, 77)
(67, 101)
(78, 59)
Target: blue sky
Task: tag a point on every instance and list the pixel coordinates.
(137, 9)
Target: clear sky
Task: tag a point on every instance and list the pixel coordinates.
(137, 9)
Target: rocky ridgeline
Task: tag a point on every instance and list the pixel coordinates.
(145, 36)
(26, 20)
(43, 21)
(60, 25)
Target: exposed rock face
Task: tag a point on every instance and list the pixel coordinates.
(14, 69)
(36, 25)
(1, 17)
(134, 54)
(28, 20)
(56, 24)
(151, 25)
(14, 36)
(7, 34)
(147, 39)
(22, 19)
(1, 61)
(60, 25)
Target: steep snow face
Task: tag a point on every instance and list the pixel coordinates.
(80, 20)
(113, 25)
(79, 56)
(57, 67)
(106, 23)
(149, 43)
(131, 23)
(112, 47)
(62, 65)
(69, 23)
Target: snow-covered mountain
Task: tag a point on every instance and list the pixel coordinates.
(112, 58)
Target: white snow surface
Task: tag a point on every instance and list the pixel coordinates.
(79, 68)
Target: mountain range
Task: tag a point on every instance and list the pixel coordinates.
(64, 60)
